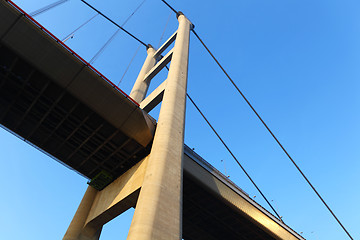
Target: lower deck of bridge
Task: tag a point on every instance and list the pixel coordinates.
(205, 216)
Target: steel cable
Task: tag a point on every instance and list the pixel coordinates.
(231, 153)
(101, 50)
(46, 8)
(114, 35)
(163, 33)
(78, 28)
(234, 157)
(128, 66)
(107, 18)
(138, 7)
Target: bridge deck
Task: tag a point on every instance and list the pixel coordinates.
(56, 101)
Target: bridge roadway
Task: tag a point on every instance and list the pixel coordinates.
(56, 101)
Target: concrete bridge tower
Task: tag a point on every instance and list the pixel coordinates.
(158, 212)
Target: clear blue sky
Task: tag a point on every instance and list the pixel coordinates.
(298, 62)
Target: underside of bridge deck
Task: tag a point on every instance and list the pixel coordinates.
(41, 112)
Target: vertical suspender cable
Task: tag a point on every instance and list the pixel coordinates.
(138, 7)
(127, 68)
(78, 28)
(162, 35)
(103, 47)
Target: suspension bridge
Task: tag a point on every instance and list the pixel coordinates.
(59, 103)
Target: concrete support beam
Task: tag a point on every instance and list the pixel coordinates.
(158, 213)
(159, 66)
(166, 45)
(117, 197)
(140, 88)
(154, 98)
(100, 207)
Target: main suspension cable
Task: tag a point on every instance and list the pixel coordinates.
(114, 35)
(234, 157)
(172, 9)
(110, 20)
(46, 8)
(266, 126)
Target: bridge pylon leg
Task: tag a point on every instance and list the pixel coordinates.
(78, 222)
(140, 88)
(158, 212)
